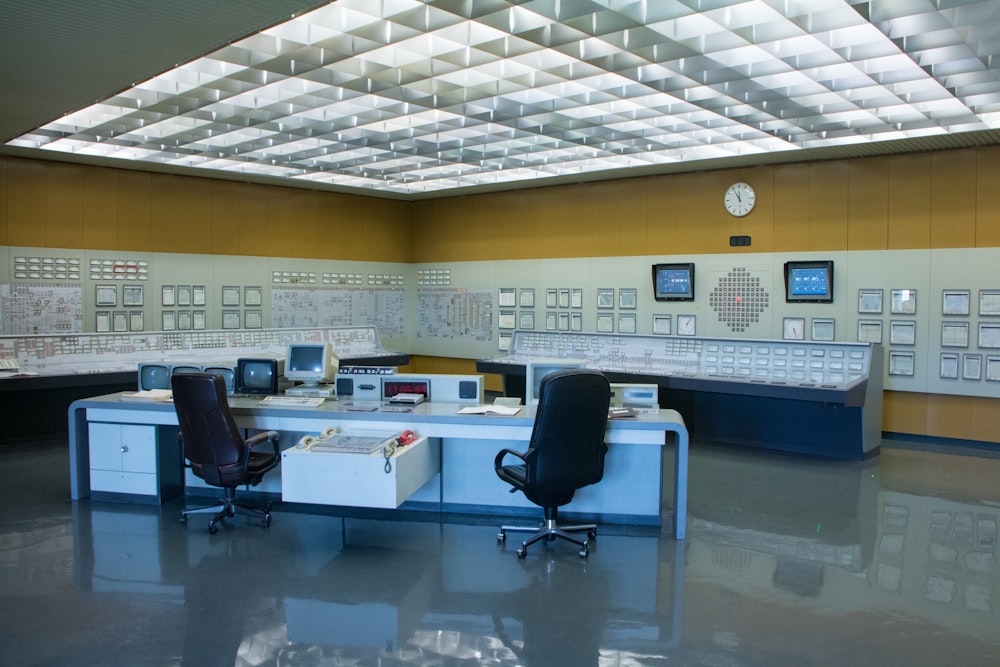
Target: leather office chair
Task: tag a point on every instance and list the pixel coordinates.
(565, 453)
(214, 448)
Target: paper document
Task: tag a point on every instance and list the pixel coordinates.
(490, 410)
(148, 396)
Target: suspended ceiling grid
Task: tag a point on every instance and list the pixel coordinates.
(410, 98)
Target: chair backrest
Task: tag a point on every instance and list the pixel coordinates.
(569, 431)
(212, 440)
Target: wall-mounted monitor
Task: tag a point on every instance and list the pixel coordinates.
(536, 369)
(154, 376)
(673, 282)
(261, 377)
(809, 282)
(311, 363)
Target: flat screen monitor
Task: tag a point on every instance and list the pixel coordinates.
(311, 363)
(536, 369)
(673, 282)
(154, 376)
(228, 374)
(258, 376)
(809, 282)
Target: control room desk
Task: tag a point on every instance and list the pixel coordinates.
(630, 492)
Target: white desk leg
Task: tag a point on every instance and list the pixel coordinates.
(681, 483)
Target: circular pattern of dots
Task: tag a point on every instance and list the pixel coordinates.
(739, 299)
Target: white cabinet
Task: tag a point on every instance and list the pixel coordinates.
(123, 458)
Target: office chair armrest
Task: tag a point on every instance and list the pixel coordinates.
(524, 456)
(262, 437)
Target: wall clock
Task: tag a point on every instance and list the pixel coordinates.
(739, 199)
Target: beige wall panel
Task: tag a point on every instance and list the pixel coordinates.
(340, 231)
(988, 198)
(195, 226)
(909, 201)
(226, 212)
(949, 416)
(100, 208)
(4, 200)
(64, 205)
(26, 202)
(387, 228)
(868, 204)
(985, 417)
(134, 190)
(828, 185)
(618, 219)
(253, 220)
(953, 199)
(661, 215)
(904, 412)
(791, 208)
(571, 231)
(166, 210)
(759, 225)
(280, 241)
(703, 226)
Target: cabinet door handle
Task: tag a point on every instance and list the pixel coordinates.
(124, 449)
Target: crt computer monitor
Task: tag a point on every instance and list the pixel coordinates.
(536, 369)
(228, 374)
(258, 376)
(178, 369)
(154, 376)
(311, 363)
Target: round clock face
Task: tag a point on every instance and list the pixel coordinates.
(739, 199)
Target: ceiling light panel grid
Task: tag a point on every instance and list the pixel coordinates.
(411, 96)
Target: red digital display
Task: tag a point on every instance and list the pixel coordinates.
(392, 387)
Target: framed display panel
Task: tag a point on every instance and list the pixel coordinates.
(253, 319)
(168, 320)
(504, 340)
(527, 320)
(507, 319)
(989, 302)
(564, 298)
(626, 323)
(252, 295)
(135, 320)
(955, 302)
(627, 297)
(231, 319)
(903, 302)
(992, 369)
(989, 335)
(870, 301)
(902, 332)
(198, 295)
(102, 321)
(954, 334)
(168, 295)
(949, 366)
(183, 295)
(551, 298)
(661, 325)
(551, 322)
(972, 367)
(869, 331)
(132, 295)
(576, 297)
(605, 323)
(199, 320)
(119, 321)
(823, 329)
(106, 295)
(900, 363)
(527, 296)
(809, 282)
(184, 320)
(576, 322)
(230, 296)
(506, 297)
(673, 282)
(605, 297)
(563, 321)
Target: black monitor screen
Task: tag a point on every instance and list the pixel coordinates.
(809, 281)
(306, 358)
(256, 376)
(673, 282)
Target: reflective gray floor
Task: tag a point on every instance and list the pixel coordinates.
(789, 561)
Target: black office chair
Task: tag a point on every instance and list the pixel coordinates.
(566, 452)
(214, 448)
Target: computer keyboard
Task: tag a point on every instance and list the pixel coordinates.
(293, 401)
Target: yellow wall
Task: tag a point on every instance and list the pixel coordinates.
(948, 199)
(60, 205)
